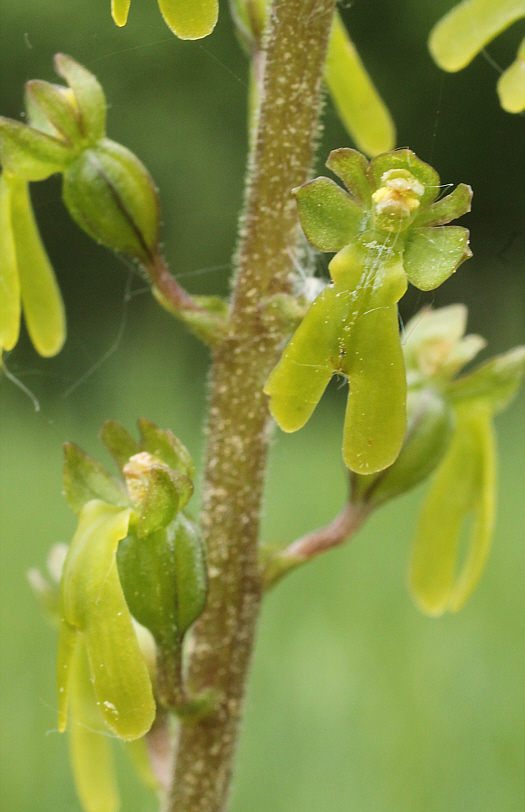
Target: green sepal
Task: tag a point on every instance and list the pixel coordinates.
(454, 205)
(166, 493)
(433, 254)
(352, 167)
(95, 614)
(359, 105)
(164, 579)
(10, 302)
(192, 573)
(119, 11)
(119, 442)
(430, 422)
(41, 300)
(90, 749)
(85, 479)
(30, 154)
(406, 160)
(468, 27)
(89, 96)
(495, 382)
(166, 446)
(111, 196)
(511, 84)
(464, 485)
(54, 105)
(190, 19)
(329, 217)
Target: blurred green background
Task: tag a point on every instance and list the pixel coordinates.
(356, 703)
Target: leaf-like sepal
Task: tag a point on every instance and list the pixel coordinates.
(85, 479)
(495, 382)
(89, 96)
(329, 217)
(454, 205)
(30, 154)
(166, 446)
(119, 442)
(433, 254)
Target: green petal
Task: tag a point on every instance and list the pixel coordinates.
(329, 217)
(68, 640)
(29, 153)
(92, 600)
(89, 744)
(41, 299)
(119, 11)
(468, 27)
(511, 84)
(495, 383)
(166, 446)
(357, 101)
(190, 19)
(9, 285)
(167, 492)
(375, 420)
(85, 479)
(352, 168)
(408, 160)
(56, 107)
(119, 442)
(433, 254)
(463, 484)
(137, 751)
(448, 208)
(89, 96)
(296, 384)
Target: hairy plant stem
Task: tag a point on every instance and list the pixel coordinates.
(280, 159)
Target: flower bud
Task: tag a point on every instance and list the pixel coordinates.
(111, 196)
(164, 579)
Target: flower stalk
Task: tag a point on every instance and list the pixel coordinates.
(280, 160)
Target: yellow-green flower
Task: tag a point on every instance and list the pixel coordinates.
(467, 28)
(388, 228)
(464, 483)
(188, 19)
(27, 280)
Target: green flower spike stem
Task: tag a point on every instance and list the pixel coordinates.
(26, 275)
(511, 84)
(386, 232)
(188, 19)
(95, 615)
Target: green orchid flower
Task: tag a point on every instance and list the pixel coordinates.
(464, 482)
(462, 33)
(188, 19)
(387, 230)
